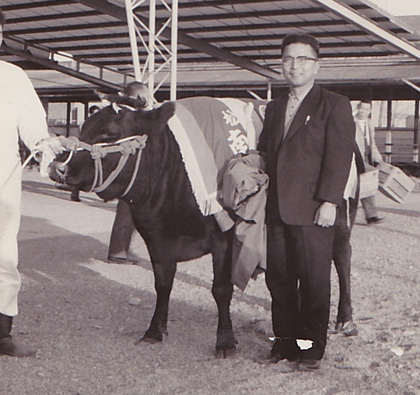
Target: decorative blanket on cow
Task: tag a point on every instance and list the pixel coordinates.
(209, 132)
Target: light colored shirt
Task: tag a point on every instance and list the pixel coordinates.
(21, 115)
(363, 124)
(351, 186)
(292, 108)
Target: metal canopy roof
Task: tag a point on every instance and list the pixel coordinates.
(95, 32)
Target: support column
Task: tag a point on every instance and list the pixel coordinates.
(388, 142)
(416, 132)
(161, 60)
(68, 116)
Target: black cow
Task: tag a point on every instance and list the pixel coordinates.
(167, 216)
(163, 207)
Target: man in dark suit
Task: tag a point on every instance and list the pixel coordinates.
(308, 142)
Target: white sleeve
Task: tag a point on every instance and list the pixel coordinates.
(32, 124)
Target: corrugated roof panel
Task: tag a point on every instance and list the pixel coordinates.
(250, 28)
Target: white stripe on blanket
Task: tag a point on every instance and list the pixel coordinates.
(202, 173)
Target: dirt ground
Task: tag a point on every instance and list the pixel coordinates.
(84, 315)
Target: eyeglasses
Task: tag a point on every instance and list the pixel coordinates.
(300, 60)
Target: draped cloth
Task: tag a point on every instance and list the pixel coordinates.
(209, 132)
(244, 191)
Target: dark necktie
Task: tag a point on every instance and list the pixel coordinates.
(367, 142)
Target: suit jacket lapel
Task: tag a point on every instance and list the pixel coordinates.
(279, 121)
(306, 109)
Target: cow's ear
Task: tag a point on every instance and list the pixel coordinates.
(165, 111)
(157, 119)
(153, 121)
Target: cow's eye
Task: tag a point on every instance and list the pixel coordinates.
(108, 138)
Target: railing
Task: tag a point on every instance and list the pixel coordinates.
(77, 67)
(397, 146)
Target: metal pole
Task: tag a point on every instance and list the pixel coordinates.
(152, 39)
(133, 39)
(68, 115)
(416, 133)
(174, 49)
(388, 142)
(388, 146)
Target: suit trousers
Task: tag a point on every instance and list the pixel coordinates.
(369, 203)
(298, 278)
(10, 281)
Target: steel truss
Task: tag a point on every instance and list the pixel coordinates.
(161, 59)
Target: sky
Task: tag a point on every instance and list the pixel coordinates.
(399, 7)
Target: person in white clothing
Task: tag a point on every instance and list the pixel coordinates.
(365, 139)
(21, 116)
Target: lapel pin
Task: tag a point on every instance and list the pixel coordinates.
(308, 118)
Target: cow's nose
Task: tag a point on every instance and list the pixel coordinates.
(58, 172)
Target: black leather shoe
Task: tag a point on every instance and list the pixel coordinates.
(10, 347)
(375, 220)
(309, 365)
(275, 357)
(270, 358)
(283, 365)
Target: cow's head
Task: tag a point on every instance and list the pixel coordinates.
(98, 136)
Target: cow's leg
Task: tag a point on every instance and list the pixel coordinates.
(222, 291)
(342, 260)
(164, 279)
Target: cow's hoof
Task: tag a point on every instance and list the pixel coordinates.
(226, 354)
(348, 328)
(148, 339)
(154, 334)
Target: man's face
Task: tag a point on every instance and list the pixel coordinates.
(364, 111)
(300, 65)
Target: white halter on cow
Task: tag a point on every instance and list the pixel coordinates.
(126, 147)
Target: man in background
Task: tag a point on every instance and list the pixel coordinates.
(123, 227)
(365, 139)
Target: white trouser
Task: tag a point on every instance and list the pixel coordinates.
(10, 196)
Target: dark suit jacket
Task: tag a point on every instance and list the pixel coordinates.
(312, 164)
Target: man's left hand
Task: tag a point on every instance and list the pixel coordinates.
(54, 143)
(325, 215)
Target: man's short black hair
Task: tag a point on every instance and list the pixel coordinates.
(134, 88)
(2, 18)
(301, 38)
